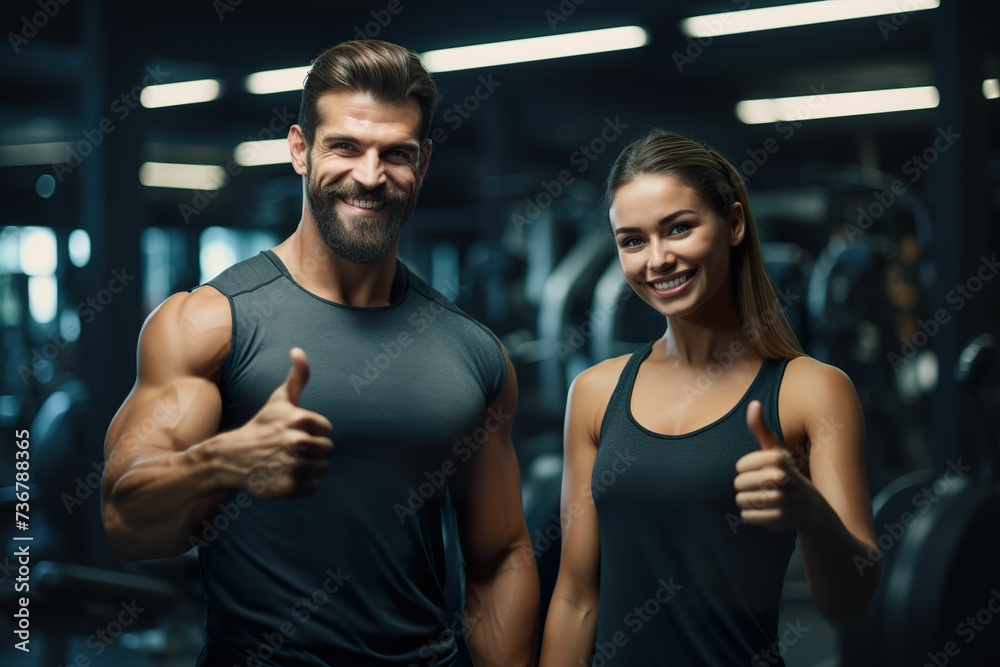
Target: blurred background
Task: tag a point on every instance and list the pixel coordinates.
(866, 133)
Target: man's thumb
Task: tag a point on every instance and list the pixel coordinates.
(755, 420)
(297, 376)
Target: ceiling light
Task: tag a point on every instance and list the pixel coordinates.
(535, 48)
(787, 16)
(276, 80)
(832, 105)
(188, 176)
(991, 89)
(256, 153)
(184, 92)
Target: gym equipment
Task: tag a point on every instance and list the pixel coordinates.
(940, 555)
(943, 594)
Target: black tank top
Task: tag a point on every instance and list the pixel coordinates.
(355, 574)
(683, 581)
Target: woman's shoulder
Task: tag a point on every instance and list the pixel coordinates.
(601, 377)
(812, 382)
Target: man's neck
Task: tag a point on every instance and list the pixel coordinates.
(327, 275)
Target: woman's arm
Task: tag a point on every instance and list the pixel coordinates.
(831, 509)
(571, 624)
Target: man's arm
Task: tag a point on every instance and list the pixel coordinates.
(167, 467)
(501, 607)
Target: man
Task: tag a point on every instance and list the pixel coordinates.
(312, 556)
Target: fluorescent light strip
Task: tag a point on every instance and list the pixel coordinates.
(276, 80)
(184, 92)
(787, 16)
(23, 155)
(833, 105)
(256, 153)
(535, 48)
(991, 89)
(185, 176)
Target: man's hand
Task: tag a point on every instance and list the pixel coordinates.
(282, 451)
(770, 490)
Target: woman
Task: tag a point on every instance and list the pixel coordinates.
(692, 465)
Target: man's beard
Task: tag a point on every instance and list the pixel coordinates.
(360, 239)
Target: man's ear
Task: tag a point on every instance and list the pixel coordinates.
(299, 149)
(737, 224)
(425, 160)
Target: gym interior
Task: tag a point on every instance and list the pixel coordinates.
(867, 141)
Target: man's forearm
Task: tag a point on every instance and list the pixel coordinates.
(501, 611)
(153, 508)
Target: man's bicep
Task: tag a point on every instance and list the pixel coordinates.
(175, 401)
(488, 497)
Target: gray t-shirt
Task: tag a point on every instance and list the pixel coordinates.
(353, 575)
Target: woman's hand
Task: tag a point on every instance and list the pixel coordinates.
(770, 490)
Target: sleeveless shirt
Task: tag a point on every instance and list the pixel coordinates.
(354, 574)
(683, 581)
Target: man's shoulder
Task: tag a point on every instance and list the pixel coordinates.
(245, 275)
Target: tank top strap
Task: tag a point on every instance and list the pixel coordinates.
(766, 391)
(618, 404)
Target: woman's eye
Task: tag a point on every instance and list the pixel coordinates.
(628, 243)
(679, 228)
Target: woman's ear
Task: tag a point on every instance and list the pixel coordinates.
(737, 224)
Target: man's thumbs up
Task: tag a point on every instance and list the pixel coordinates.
(755, 420)
(293, 385)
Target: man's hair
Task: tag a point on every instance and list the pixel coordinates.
(387, 72)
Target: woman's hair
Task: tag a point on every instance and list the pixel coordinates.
(717, 182)
(387, 72)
